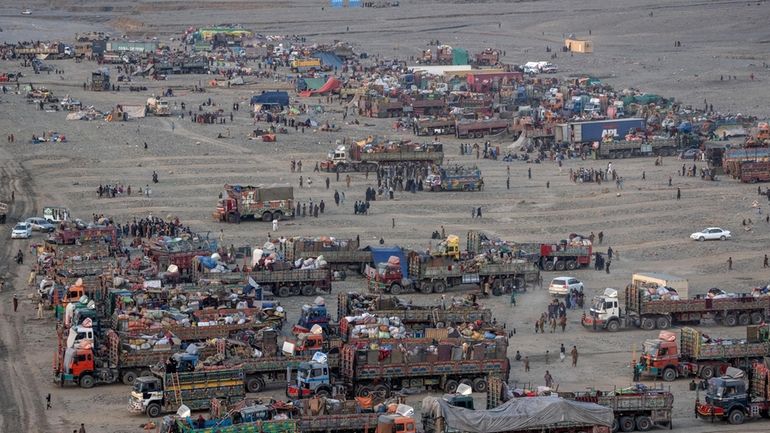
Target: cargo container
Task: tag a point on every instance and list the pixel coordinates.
(577, 133)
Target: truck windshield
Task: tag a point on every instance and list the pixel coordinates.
(598, 304)
(716, 391)
(651, 348)
(303, 373)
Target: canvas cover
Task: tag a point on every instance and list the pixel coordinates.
(520, 414)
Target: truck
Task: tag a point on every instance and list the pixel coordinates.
(649, 311)
(556, 256)
(3, 212)
(158, 106)
(405, 363)
(428, 274)
(180, 253)
(71, 233)
(304, 65)
(360, 157)
(753, 172)
(518, 415)
(342, 255)
(578, 133)
(165, 392)
(480, 128)
(282, 283)
(699, 355)
(443, 126)
(456, 178)
(737, 397)
(261, 202)
(616, 149)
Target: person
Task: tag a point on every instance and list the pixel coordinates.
(562, 353)
(513, 295)
(563, 323)
(548, 379)
(669, 181)
(517, 357)
(529, 172)
(526, 363)
(601, 237)
(48, 401)
(40, 309)
(678, 193)
(547, 358)
(275, 224)
(15, 302)
(729, 264)
(327, 182)
(574, 354)
(82, 428)
(20, 257)
(607, 266)
(201, 421)
(478, 212)
(638, 372)
(609, 253)
(765, 264)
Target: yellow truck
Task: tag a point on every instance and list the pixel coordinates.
(303, 65)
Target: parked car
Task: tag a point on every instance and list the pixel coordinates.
(40, 224)
(710, 234)
(689, 154)
(563, 285)
(22, 230)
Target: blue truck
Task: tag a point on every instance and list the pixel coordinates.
(576, 133)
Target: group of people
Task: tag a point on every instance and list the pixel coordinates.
(153, 226)
(314, 208)
(557, 311)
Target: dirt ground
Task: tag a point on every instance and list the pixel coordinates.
(644, 223)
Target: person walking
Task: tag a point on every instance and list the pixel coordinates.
(765, 264)
(574, 353)
(529, 172)
(547, 358)
(327, 182)
(15, 302)
(607, 266)
(508, 183)
(48, 401)
(275, 224)
(601, 237)
(730, 263)
(548, 379)
(678, 193)
(40, 309)
(526, 363)
(513, 295)
(562, 353)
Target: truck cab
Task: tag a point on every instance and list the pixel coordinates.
(146, 391)
(391, 276)
(80, 335)
(395, 423)
(660, 358)
(313, 378)
(77, 364)
(604, 312)
(726, 397)
(314, 315)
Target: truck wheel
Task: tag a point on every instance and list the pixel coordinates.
(381, 391)
(571, 265)
(145, 373)
(744, 319)
(613, 326)
(756, 318)
(466, 382)
(323, 392)
(254, 384)
(86, 381)
(707, 372)
(341, 168)
(308, 290)
(647, 324)
(663, 322)
(129, 377)
(395, 289)
(615, 425)
(669, 374)
(450, 387)
(153, 410)
(559, 266)
(480, 385)
(364, 391)
(643, 423)
(232, 218)
(426, 288)
(731, 320)
(267, 217)
(548, 266)
(439, 287)
(736, 417)
(284, 291)
(278, 215)
(627, 424)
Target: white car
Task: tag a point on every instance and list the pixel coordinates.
(21, 230)
(563, 285)
(711, 233)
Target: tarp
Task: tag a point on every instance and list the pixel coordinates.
(382, 254)
(330, 60)
(520, 414)
(330, 85)
(135, 111)
(280, 98)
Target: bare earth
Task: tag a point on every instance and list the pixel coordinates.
(644, 224)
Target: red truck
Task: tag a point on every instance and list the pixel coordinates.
(72, 233)
(752, 172)
(480, 128)
(557, 256)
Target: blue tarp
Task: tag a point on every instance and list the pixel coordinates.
(330, 60)
(279, 98)
(382, 254)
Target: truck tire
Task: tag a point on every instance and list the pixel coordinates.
(255, 384)
(613, 326)
(153, 410)
(480, 384)
(323, 392)
(283, 292)
(757, 318)
(450, 387)
(648, 324)
(730, 320)
(736, 417)
(559, 266)
(615, 425)
(381, 391)
(643, 423)
(571, 265)
(267, 217)
(466, 382)
(744, 319)
(426, 288)
(627, 423)
(145, 373)
(439, 287)
(86, 381)
(364, 391)
(340, 168)
(278, 215)
(395, 289)
(628, 154)
(497, 290)
(707, 372)
(129, 376)
(548, 266)
(663, 322)
(308, 290)
(669, 374)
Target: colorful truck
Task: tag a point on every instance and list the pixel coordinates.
(646, 311)
(166, 392)
(753, 172)
(426, 126)
(736, 399)
(480, 128)
(696, 354)
(304, 65)
(264, 203)
(361, 156)
(400, 364)
(557, 256)
(456, 178)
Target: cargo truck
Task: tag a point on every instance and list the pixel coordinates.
(428, 274)
(264, 203)
(578, 133)
(166, 392)
(355, 158)
(455, 179)
(648, 312)
(434, 127)
(753, 172)
(556, 256)
(342, 255)
(304, 65)
(698, 355)
(735, 398)
(409, 364)
(480, 128)
(158, 107)
(616, 149)
(283, 283)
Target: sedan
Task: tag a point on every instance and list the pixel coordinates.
(711, 233)
(689, 154)
(40, 224)
(564, 285)
(21, 231)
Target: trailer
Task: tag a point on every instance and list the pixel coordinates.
(282, 283)
(457, 178)
(444, 126)
(342, 255)
(261, 202)
(753, 172)
(736, 399)
(634, 148)
(649, 312)
(480, 128)
(578, 133)
(361, 157)
(556, 256)
(699, 355)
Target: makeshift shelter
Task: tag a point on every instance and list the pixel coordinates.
(579, 46)
(271, 98)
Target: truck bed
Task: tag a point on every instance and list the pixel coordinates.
(357, 256)
(343, 422)
(692, 346)
(434, 157)
(376, 371)
(635, 303)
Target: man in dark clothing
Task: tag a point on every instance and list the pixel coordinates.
(730, 263)
(678, 193)
(607, 266)
(765, 264)
(609, 253)
(15, 302)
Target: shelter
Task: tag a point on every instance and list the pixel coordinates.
(271, 98)
(579, 46)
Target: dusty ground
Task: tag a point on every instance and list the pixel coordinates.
(645, 224)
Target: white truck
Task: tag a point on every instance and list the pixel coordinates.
(158, 107)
